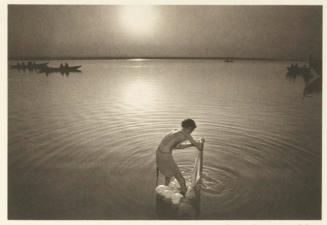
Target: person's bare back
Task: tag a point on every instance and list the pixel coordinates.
(171, 140)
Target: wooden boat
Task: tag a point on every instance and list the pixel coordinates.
(59, 69)
(312, 78)
(63, 70)
(70, 68)
(313, 85)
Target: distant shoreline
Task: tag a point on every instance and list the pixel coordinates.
(149, 58)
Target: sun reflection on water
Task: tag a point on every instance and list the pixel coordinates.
(140, 94)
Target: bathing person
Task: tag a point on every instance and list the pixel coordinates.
(174, 140)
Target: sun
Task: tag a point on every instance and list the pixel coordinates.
(138, 20)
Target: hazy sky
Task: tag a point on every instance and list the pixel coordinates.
(164, 31)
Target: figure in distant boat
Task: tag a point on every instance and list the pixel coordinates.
(63, 69)
(174, 140)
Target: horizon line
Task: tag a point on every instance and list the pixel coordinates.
(146, 58)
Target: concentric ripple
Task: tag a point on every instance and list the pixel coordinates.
(86, 143)
(219, 181)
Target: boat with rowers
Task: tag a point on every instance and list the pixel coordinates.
(62, 69)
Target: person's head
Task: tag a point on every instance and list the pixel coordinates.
(188, 125)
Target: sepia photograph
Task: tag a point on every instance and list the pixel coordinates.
(164, 112)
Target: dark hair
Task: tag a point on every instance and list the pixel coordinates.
(188, 123)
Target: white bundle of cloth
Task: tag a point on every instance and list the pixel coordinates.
(172, 191)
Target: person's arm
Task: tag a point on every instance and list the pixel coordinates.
(197, 144)
(183, 145)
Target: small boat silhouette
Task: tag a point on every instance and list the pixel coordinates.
(311, 74)
(62, 69)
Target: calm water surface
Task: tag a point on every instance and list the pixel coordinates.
(82, 146)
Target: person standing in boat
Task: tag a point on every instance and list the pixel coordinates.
(174, 140)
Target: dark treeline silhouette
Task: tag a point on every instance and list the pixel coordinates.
(30, 66)
(63, 69)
